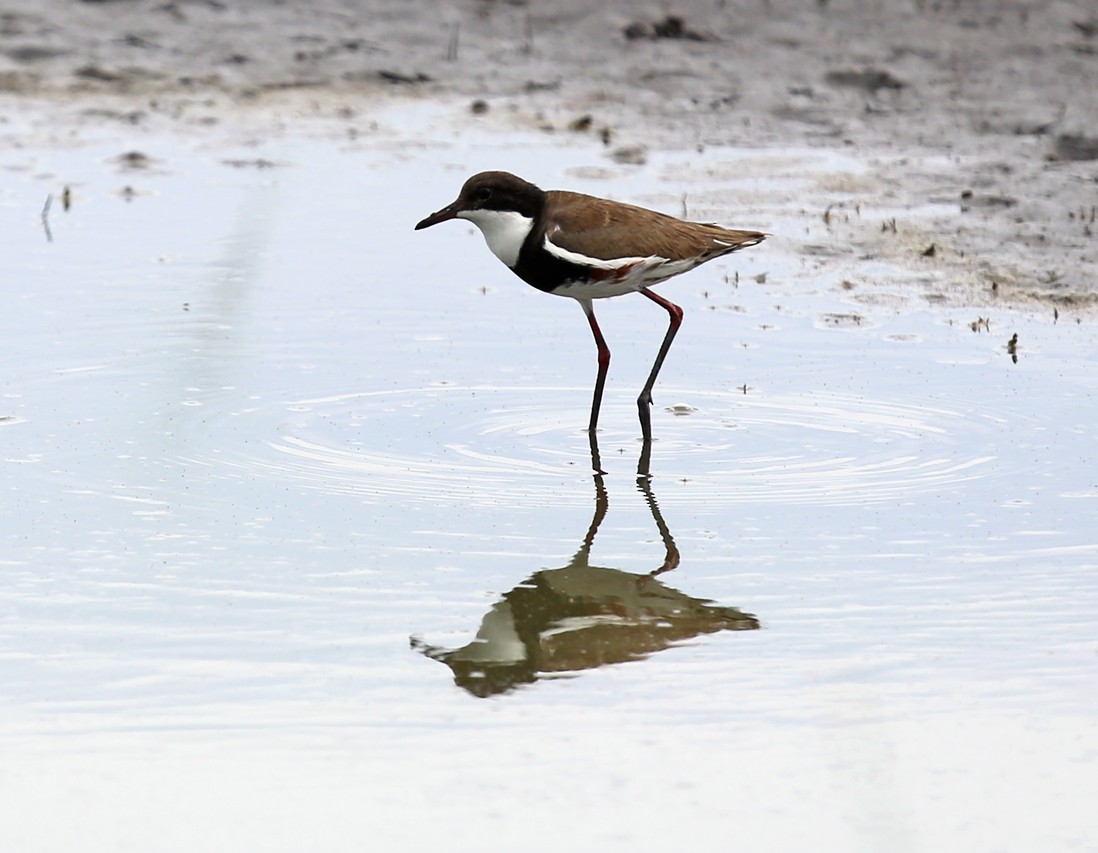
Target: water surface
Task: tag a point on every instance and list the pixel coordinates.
(273, 462)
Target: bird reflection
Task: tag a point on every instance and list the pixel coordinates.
(582, 616)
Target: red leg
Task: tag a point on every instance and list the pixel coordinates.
(644, 401)
(604, 362)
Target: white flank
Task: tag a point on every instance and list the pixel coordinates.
(636, 273)
(504, 231)
(596, 263)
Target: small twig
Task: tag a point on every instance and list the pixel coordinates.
(528, 32)
(452, 47)
(46, 218)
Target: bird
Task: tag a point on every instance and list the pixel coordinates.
(587, 248)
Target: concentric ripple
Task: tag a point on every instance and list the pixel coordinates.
(526, 446)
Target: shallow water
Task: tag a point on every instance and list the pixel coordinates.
(272, 460)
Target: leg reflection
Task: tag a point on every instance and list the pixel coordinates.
(671, 550)
(581, 616)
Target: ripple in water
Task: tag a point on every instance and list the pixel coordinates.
(479, 446)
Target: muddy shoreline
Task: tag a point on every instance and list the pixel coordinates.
(985, 111)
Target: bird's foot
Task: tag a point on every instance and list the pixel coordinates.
(644, 410)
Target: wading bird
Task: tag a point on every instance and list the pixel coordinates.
(588, 248)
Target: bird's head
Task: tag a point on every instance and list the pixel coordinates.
(500, 192)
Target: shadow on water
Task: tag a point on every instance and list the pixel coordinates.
(581, 616)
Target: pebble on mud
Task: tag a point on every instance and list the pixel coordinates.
(1072, 146)
(632, 155)
(868, 79)
(671, 27)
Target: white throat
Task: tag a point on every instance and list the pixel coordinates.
(504, 231)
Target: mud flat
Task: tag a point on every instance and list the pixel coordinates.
(976, 122)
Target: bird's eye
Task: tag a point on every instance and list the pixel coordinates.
(484, 193)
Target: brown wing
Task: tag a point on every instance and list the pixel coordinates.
(607, 230)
